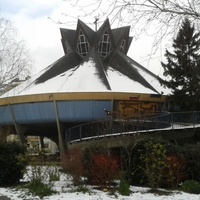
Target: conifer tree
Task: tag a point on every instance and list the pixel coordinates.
(182, 70)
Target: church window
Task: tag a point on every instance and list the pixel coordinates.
(83, 46)
(122, 46)
(104, 46)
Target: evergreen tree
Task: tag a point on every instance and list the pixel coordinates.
(182, 70)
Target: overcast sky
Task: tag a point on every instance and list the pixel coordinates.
(34, 21)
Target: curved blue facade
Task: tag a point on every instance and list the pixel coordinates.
(44, 112)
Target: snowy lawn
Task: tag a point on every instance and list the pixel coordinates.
(65, 190)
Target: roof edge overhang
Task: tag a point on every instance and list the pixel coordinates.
(69, 96)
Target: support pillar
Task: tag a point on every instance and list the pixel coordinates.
(20, 130)
(41, 142)
(60, 129)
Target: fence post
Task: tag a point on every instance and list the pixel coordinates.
(172, 121)
(69, 135)
(193, 118)
(98, 129)
(80, 132)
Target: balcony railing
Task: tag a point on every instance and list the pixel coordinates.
(108, 128)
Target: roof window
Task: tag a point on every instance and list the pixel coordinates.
(122, 46)
(104, 45)
(83, 46)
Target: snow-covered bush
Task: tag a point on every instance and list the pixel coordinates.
(40, 178)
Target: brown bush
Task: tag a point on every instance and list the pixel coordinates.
(176, 170)
(72, 163)
(104, 169)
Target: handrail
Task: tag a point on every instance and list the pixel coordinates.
(100, 129)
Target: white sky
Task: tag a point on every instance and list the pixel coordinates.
(42, 35)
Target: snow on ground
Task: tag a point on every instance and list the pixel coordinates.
(66, 190)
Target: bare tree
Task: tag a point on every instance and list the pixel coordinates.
(159, 18)
(15, 61)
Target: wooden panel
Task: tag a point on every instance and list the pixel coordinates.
(81, 96)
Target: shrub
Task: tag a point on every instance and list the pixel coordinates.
(192, 156)
(40, 175)
(88, 155)
(104, 169)
(44, 172)
(128, 158)
(12, 162)
(154, 159)
(72, 162)
(54, 174)
(83, 189)
(191, 186)
(175, 170)
(124, 188)
(136, 175)
(157, 163)
(38, 188)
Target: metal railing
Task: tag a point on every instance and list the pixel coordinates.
(108, 128)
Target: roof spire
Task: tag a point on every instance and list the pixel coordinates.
(95, 22)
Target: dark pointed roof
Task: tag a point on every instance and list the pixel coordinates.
(87, 30)
(94, 61)
(68, 36)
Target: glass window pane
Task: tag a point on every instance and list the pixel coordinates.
(83, 46)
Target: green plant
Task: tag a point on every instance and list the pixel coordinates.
(42, 170)
(12, 162)
(38, 188)
(83, 189)
(37, 173)
(154, 158)
(54, 174)
(127, 160)
(191, 186)
(137, 176)
(157, 163)
(53, 171)
(41, 174)
(192, 156)
(124, 188)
